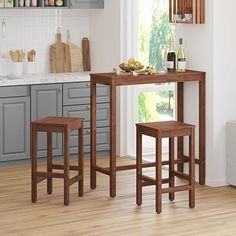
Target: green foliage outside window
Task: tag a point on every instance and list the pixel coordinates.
(153, 34)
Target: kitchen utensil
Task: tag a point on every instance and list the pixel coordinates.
(12, 56)
(17, 56)
(86, 54)
(31, 55)
(57, 56)
(3, 37)
(73, 55)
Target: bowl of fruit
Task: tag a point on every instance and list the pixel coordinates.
(132, 65)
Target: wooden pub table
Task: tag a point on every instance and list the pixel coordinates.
(112, 80)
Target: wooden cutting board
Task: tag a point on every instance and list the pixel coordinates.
(86, 54)
(73, 55)
(58, 60)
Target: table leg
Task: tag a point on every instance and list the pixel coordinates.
(49, 162)
(66, 168)
(112, 140)
(34, 165)
(93, 136)
(138, 167)
(192, 169)
(158, 175)
(180, 117)
(81, 160)
(202, 131)
(171, 167)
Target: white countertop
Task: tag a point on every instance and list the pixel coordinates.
(49, 78)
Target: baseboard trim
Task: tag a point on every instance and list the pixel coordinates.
(216, 183)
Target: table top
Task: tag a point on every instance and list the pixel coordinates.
(169, 77)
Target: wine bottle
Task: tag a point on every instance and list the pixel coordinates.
(181, 60)
(171, 57)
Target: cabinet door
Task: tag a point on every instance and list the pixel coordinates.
(14, 128)
(86, 4)
(46, 100)
(83, 111)
(102, 141)
(102, 124)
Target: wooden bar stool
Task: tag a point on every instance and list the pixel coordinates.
(159, 130)
(63, 125)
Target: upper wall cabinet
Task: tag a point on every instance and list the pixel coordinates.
(86, 4)
(187, 11)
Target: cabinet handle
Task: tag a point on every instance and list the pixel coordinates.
(88, 84)
(87, 132)
(59, 90)
(88, 107)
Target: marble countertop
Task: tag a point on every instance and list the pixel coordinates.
(49, 78)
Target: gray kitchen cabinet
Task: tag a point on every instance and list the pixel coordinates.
(76, 103)
(79, 93)
(83, 111)
(86, 4)
(46, 100)
(102, 141)
(14, 126)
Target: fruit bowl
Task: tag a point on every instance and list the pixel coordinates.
(132, 65)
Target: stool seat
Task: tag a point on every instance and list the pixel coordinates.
(166, 129)
(160, 130)
(52, 125)
(58, 124)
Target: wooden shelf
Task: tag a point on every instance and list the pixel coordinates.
(196, 7)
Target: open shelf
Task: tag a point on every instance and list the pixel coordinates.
(40, 4)
(181, 8)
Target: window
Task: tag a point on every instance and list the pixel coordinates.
(155, 103)
(148, 30)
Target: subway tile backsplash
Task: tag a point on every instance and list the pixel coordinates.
(36, 28)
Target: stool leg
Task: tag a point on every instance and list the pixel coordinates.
(158, 175)
(192, 169)
(66, 168)
(138, 167)
(49, 162)
(34, 165)
(81, 162)
(171, 168)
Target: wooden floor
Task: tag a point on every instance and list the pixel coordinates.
(97, 214)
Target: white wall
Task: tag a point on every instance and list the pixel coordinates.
(105, 37)
(106, 44)
(36, 28)
(224, 77)
(210, 48)
(198, 43)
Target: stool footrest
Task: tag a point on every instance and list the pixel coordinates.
(40, 179)
(181, 175)
(103, 170)
(61, 167)
(148, 181)
(75, 179)
(176, 189)
(50, 175)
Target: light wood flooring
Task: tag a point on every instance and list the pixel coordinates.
(97, 214)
